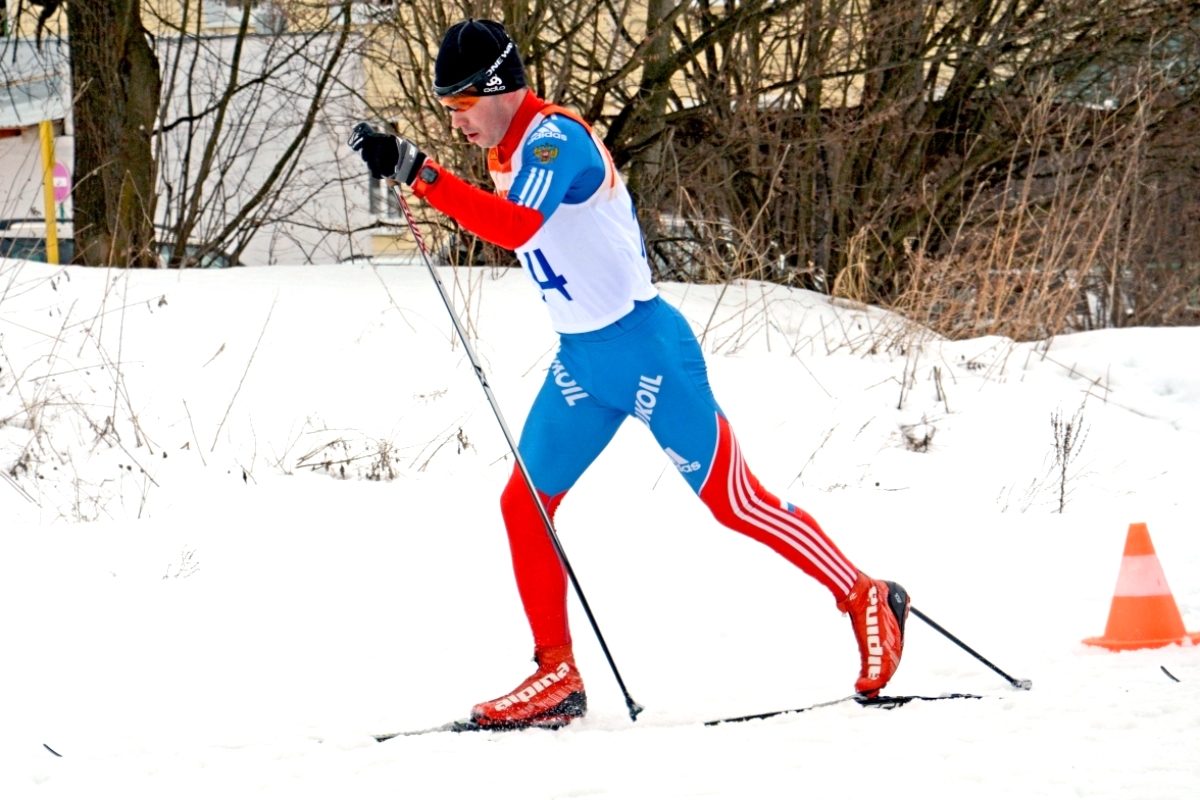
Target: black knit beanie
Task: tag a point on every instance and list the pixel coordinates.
(477, 57)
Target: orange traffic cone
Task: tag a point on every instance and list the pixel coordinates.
(1143, 613)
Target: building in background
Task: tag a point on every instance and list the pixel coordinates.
(320, 209)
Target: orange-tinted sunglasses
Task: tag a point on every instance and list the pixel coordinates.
(460, 102)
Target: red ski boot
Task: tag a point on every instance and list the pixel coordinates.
(551, 697)
(878, 610)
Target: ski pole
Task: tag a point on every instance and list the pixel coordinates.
(1022, 683)
(361, 129)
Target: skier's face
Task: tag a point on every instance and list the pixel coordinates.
(483, 120)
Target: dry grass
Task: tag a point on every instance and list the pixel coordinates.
(1048, 250)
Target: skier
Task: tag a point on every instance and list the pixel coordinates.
(623, 351)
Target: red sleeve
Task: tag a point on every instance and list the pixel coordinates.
(487, 215)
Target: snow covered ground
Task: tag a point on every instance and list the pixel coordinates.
(252, 519)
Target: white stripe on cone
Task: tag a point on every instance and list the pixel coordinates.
(1141, 576)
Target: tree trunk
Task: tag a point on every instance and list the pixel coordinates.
(116, 81)
(646, 129)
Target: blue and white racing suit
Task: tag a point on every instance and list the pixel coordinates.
(624, 352)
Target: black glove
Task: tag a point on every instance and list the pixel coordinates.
(387, 156)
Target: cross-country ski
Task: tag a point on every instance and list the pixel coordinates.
(882, 702)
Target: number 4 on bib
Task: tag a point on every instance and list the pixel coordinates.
(548, 280)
